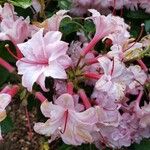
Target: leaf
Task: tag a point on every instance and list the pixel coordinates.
(65, 147)
(68, 26)
(64, 4)
(139, 14)
(32, 102)
(144, 145)
(89, 26)
(2, 1)
(44, 146)
(21, 3)
(4, 75)
(147, 26)
(7, 125)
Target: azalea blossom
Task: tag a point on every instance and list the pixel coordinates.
(73, 127)
(44, 56)
(105, 26)
(5, 98)
(113, 80)
(4, 101)
(12, 27)
(80, 7)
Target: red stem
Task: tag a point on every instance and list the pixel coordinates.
(28, 123)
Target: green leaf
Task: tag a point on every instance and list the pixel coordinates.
(68, 26)
(7, 125)
(147, 25)
(21, 3)
(89, 26)
(32, 102)
(2, 1)
(65, 147)
(139, 14)
(144, 145)
(64, 4)
(4, 74)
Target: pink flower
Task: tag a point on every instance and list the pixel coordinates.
(7, 12)
(73, 127)
(43, 57)
(105, 26)
(54, 22)
(138, 78)
(109, 116)
(145, 5)
(16, 31)
(6, 95)
(4, 101)
(113, 81)
(12, 27)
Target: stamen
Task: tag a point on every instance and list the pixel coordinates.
(121, 12)
(84, 98)
(139, 98)
(66, 119)
(143, 66)
(70, 88)
(19, 54)
(79, 60)
(113, 65)
(6, 65)
(114, 8)
(10, 52)
(40, 97)
(17, 58)
(138, 38)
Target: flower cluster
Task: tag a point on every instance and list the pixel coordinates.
(98, 97)
(80, 7)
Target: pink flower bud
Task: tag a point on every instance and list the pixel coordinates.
(40, 96)
(84, 98)
(70, 88)
(92, 75)
(13, 90)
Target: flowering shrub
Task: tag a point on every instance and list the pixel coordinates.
(87, 67)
